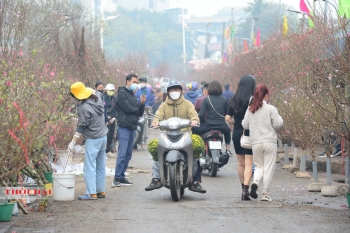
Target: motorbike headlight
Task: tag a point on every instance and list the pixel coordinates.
(173, 124)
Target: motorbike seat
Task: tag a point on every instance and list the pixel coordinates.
(211, 133)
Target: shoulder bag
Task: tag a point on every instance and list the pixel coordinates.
(214, 108)
(245, 140)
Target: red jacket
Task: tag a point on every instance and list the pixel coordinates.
(198, 103)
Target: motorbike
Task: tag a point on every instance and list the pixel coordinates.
(213, 158)
(139, 131)
(143, 123)
(175, 156)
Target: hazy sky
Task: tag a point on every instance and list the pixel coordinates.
(210, 7)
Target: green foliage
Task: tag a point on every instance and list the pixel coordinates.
(197, 143)
(152, 33)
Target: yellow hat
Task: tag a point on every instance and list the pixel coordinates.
(80, 92)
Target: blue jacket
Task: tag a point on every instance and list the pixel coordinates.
(149, 96)
(228, 94)
(191, 96)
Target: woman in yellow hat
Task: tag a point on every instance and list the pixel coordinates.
(91, 124)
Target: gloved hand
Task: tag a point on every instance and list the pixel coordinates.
(74, 141)
(71, 145)
(111, 120)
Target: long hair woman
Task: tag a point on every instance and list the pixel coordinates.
(262, 120)
(237, 107)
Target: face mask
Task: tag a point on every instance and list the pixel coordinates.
(101, 91)
(142, 85)
(175, 95)
(110, 93)
(133, 87)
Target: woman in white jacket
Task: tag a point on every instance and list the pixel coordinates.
(262, 120)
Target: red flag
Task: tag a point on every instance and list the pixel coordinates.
(245, 45)
(257, 41)
(303, 7)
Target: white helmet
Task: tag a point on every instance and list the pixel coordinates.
(110, 87)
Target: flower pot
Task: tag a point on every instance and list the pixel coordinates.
(6, 210)
(48, 176)
(348, 197)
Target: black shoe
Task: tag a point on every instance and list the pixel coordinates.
(197, 188)
(125, 182)
(253, 190)
(245, 193)
(229, 153)
(155, 184)
(116, 182)
(101, 195)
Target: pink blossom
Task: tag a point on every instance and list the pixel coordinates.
(52, 73)
(5, 74)
(9, 83)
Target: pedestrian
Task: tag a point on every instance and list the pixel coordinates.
(99, 86)
(92, 126)
(192, 93)
(111, 110)
(200, 90)
(262, 120)
(128, 112)
(212, 114)
(237, 108)
(146, 91)
(158, 96)
(199, 101)
(227, 93)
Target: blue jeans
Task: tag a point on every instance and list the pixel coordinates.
(126, 141)
(95, 165)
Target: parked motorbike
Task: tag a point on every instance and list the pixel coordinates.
(175, 156)
(144, 122)
(139, 130)
(213, 158)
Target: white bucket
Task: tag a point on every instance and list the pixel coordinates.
(63, 186)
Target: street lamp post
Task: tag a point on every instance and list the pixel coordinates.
(253, 22)
(183, 38)
(101, 22)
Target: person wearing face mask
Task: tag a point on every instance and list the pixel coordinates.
(110, 105)
(92, 126)
(147, 92)
(128, 112)
(99, 86)
(176, 105)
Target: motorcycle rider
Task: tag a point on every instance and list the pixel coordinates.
(175, 105)
(192, 93)
(213, 109)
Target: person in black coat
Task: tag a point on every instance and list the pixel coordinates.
(128, 112)
(111, 110)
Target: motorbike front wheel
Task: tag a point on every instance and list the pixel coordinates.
(136, 139)
(175, 186)
(213, 170)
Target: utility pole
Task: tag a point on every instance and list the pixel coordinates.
(232, 23)
(101, 24)
(183, 38)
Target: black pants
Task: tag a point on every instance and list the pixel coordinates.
(110, 137)
(203, 128)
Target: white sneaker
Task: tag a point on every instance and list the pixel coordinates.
(111, 155)
(266, 198)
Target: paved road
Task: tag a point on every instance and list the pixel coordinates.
(131, 209)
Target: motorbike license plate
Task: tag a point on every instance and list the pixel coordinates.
(214, 144)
